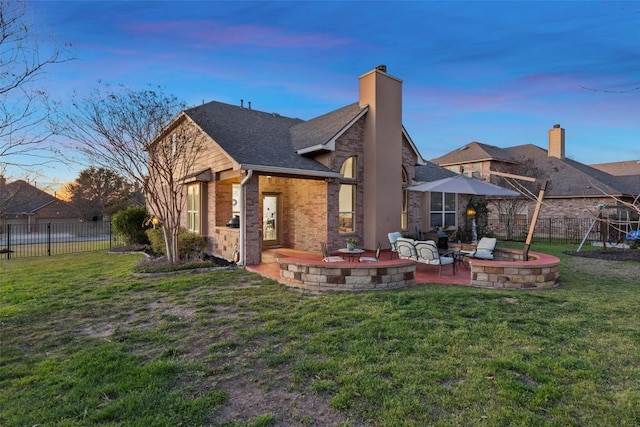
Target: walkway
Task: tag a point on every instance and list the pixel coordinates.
(424, 273)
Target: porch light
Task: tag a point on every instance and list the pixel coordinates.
(471, 211)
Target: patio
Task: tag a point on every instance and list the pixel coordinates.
(425, 274)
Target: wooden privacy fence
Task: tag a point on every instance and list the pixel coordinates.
(22, 240)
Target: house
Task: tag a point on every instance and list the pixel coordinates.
(264, 180)
(23, 204)
(575, 190)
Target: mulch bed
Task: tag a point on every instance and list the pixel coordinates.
(612, 254)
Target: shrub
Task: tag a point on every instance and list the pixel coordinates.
(131, 224)
(190, 244)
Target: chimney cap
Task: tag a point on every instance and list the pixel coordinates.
(382, 68)
(556, 126)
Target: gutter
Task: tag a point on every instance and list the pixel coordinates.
(242, 215)
(288, 171)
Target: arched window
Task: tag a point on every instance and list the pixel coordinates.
(347, 197)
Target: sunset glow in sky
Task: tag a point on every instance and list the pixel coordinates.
(500, 73)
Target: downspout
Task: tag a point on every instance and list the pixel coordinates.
(242, 215)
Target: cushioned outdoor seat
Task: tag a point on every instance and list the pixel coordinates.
(329, 258)
(392, 241)
(484, 249)
(427, 253)
(372, 258)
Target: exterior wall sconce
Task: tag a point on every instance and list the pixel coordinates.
(471, 213)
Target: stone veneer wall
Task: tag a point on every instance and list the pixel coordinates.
(509, 271)
(322, 276)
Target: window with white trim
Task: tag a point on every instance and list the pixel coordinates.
(347, 197)
(442, 210)
(193, 207)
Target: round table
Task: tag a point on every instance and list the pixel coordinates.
(351, 253)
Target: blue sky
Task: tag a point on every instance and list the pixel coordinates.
(500, 73)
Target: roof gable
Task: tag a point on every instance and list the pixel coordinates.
(473, 152)
(321, 132)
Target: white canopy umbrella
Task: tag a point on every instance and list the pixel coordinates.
(464, 185)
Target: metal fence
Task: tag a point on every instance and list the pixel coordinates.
(21, 240)
(563, 230)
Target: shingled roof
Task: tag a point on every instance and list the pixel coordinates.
(268, 141)
(474, 152)
(630, 167)
(570, 178)
(319, 133)
(21, 198)
(431, 172)
(255, 139)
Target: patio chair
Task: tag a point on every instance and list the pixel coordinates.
(372, 258)
(392, 241)
(484, 249)
(427, 253)
(406, 248)
(329, 258)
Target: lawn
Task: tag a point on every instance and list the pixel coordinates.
(85, 342)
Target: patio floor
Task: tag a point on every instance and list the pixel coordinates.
(425, 274)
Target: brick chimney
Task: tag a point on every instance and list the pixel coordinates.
(382, 154)
(556, 142)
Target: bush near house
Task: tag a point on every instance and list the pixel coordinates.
(131, 224)
(190, 245)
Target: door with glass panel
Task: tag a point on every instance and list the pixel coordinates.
(270, 220)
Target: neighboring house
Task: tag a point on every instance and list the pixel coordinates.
(23, 204)
(575, 190)
(628, 168)
(264, 180)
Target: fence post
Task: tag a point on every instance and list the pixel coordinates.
(8, 241)
(110, 235)
(49, 239)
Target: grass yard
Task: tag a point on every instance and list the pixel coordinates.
(84, 342)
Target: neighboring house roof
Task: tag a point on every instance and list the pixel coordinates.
(567, 177)
(570, 178)
(630, 167)
(21, 198)
(431, 172)
(474, 152)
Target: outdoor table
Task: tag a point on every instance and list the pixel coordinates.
(351, 253)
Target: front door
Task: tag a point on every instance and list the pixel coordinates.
(270, 220)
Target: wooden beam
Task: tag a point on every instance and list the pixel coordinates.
(514, 176)
(534, 220)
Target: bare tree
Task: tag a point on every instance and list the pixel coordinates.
(24, 108)
(113, 128)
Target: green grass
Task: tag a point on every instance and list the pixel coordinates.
(84, 342)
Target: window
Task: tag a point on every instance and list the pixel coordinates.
(193, 208)
(443, 210)
(476, 170)
(348, 168)
(347, 197)
(404, 216)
